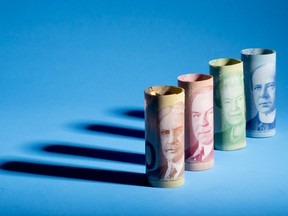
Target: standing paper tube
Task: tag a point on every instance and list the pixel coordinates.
(229, 104)
(260, 88)
(164, 136)
(199, 123)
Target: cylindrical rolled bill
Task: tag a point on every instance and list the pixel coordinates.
(199, 123)
(260, 88)
(164, 135)
(229, 104)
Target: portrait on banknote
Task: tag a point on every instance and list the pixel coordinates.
(168, 147)
(230, 99)
(263, 88)
(201, 147)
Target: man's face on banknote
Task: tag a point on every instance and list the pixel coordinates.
(172, 133)
(263, 86)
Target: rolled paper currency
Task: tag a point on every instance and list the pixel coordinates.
(260, 88)
(199, 123)
(164, 135)
(229, 104)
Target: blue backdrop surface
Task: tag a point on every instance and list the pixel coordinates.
(72, 80)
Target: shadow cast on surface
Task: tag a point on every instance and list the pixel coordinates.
(96, 153)
(115, 130)
(130, 112)
(109, 176)
(100, 175)
(134, 113)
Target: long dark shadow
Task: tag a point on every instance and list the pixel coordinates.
(130, 112)
(134, 113)
(117, 177)
(115, 130)
(96, 153)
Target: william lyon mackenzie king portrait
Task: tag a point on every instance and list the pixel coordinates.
(201, 146)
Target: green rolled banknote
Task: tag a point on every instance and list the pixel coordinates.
(260, 89)
(164, 135)
(229, 104)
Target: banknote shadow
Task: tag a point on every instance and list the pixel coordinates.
(99, 175)
(128, 112)
(134, 113)
(112, 130)
(111, 155)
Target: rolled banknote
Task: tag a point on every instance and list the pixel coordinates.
(164, 135)
(199, 123)
(229, 104)
(260, 88)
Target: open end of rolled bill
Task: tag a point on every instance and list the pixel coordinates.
(194, 77)
(257, 51)
(163, 90)
(224, 62)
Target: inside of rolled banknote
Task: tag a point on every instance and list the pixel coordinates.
(164, 90)
(194, 77)
(257, 51)
(224, 62)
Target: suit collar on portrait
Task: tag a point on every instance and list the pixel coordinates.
(267, 118)
(178, 166)
(203, 153)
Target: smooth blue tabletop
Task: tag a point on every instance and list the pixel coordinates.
(72, 80)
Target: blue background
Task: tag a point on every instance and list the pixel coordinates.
(72, 80)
